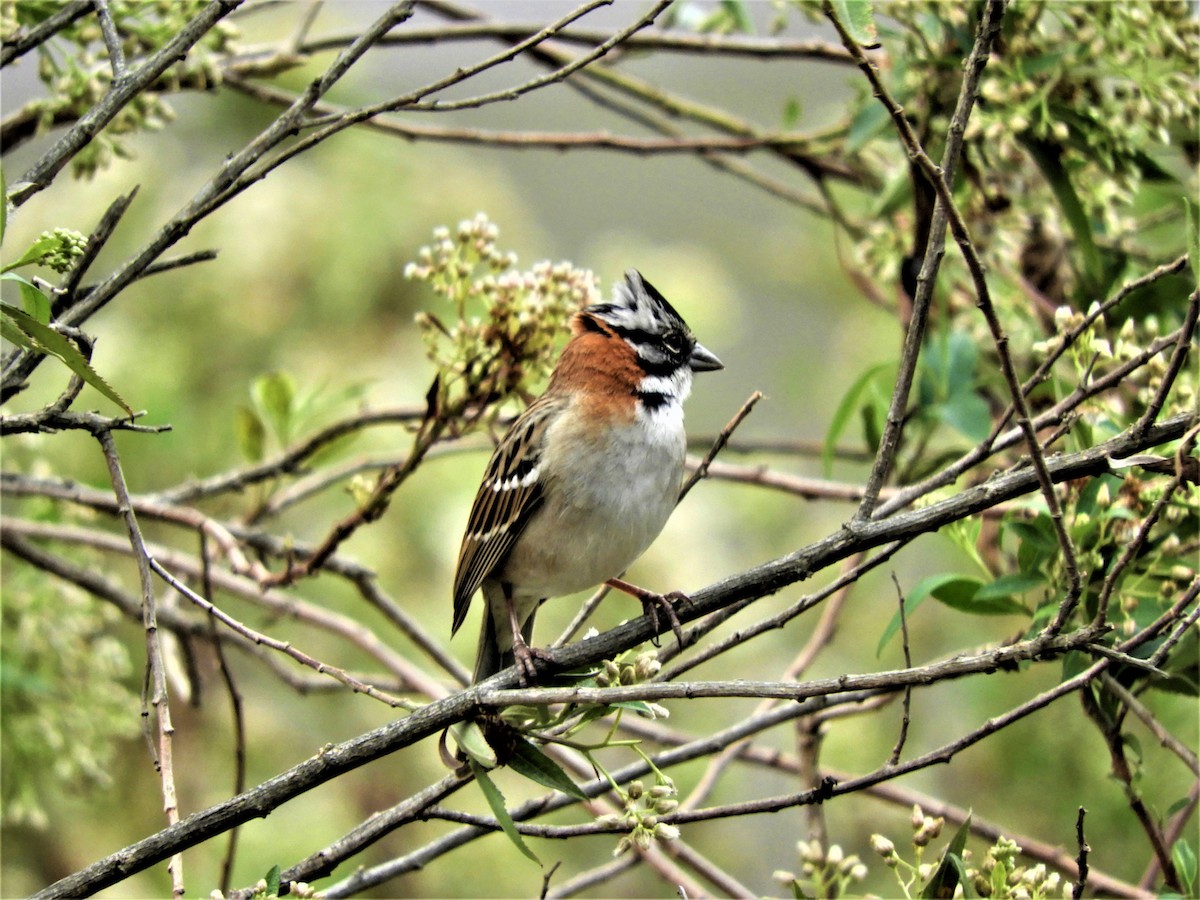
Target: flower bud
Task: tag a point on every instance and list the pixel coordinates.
(883, 846)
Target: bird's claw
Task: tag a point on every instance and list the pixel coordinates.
(652, 603)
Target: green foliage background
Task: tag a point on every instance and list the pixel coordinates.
(310, 282)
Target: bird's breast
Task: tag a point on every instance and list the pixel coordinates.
(608, 493)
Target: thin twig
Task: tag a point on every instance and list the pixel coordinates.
(718, 445)
(822, 633)
(283, 646)
(414, 679)
(1164, 737)
(650, 39)
(907, 702)
(1175, 366)
(112, 41)
(1081, 861)
(155, 671)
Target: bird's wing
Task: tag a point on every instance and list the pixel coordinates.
(510, 493)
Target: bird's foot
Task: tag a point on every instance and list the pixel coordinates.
(524, 655)
(652, 605)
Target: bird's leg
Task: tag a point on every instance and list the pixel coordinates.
(523, 654)
(652, 603)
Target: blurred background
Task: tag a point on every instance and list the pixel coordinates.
(309, 281)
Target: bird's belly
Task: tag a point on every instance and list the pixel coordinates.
(601, 515)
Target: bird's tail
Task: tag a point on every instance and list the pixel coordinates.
(490, 659)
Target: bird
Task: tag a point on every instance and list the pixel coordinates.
(585, 478)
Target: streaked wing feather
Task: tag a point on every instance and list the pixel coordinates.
(498, 516)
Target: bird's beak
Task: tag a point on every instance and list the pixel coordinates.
(704, 360)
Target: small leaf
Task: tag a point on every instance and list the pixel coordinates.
(36, 251)
(528, 760)
(499, 809)
(1009, 585)
(962, 356)
(275, 396)
(738, 16)
(867, 123)
(470, 740)
(951, 872)
(641, 707)
(858, 18)
(912, 600)
(36, 303)
(47, 340)
(849, 404)
(251, 434)
(1182, 668)
(272, 880)
(14, 335)
(791, 113)
(963, 594)
(1184, 858)
(967, 413)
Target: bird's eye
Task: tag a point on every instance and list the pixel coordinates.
(673, 344)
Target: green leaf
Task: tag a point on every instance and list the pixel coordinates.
(641, 707)
(1182, 668)
(47, 340)
(36, 251)
(470, 740)
(946, 388)
(14, 335)
(867, 123)
(858, 18)
(1010, 585)
(275, 396)
(251, 434)
(967, 413)
(36, 303)
(912, 600)
(1184, 858)
(951, 872)
(850, 403)
(791, 113)
(272, 880)
(738, 16)
(962, 357)
(499, 809)
(963, 594)
(528, 760)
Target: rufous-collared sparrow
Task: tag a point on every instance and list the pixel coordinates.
(586, 477)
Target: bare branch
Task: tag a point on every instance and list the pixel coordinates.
(156, 674)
